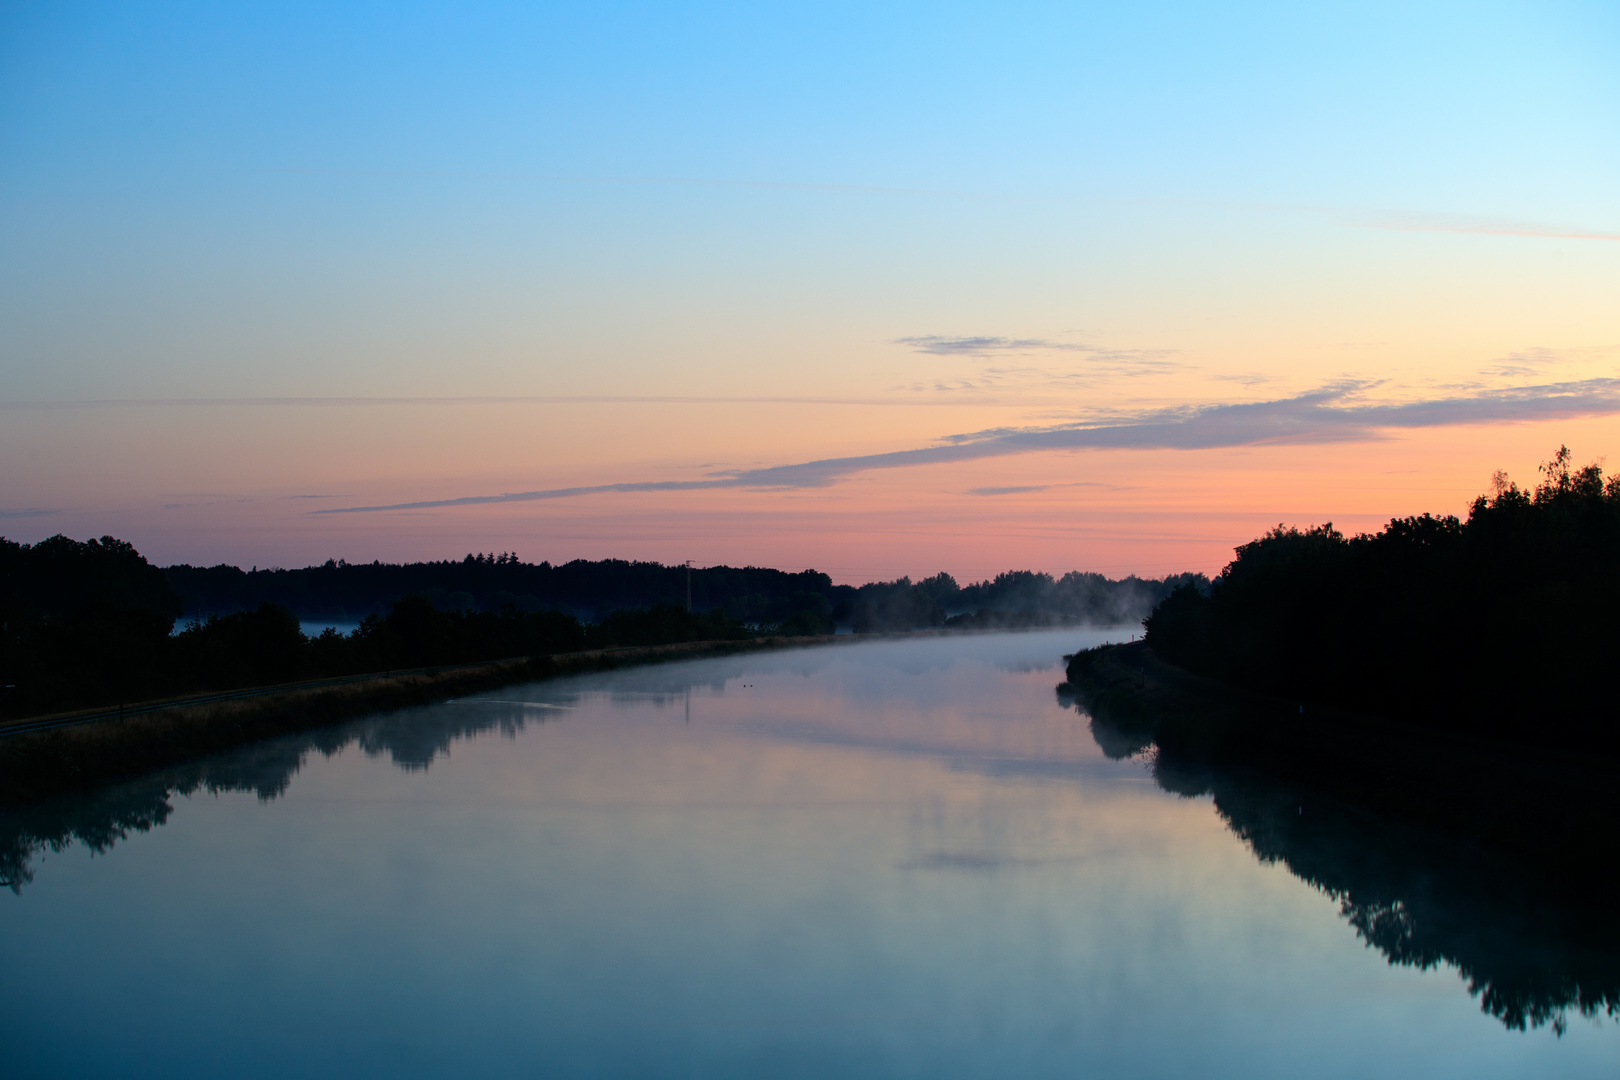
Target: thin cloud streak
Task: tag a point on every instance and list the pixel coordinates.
(1015, 489)
(943, 345)
(1444, 223)
(682, 181)
(1322, 416)
(534, 496)
(1019, 489)
(994, 353)
(538, 399)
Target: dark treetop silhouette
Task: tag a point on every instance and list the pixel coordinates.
(755, 596)
(91, 624)
(1503, 624)
(1418, 722)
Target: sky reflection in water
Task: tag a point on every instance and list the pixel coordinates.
(887, 859)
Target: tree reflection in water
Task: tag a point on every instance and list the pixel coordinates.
(1520, 903)
(100, 818)
(411, 738)
(1529, 927)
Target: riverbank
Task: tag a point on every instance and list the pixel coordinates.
(86, 749)
(1496, 857)
(1551, 796)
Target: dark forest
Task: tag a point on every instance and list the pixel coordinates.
(93, 623)
(1500, 624)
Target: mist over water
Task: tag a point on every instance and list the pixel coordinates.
(890, 858)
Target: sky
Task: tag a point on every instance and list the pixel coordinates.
(874, 289)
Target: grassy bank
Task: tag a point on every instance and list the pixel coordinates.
(35, 765)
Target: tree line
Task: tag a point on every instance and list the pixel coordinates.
(591, 590)
(1017, 599)
(92, 623)
(341, 591)
(1501, 624)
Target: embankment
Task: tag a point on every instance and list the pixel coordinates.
(76, 755)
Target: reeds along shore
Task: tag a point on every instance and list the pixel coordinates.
(40, 764)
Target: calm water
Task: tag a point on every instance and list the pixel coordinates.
(886, 859)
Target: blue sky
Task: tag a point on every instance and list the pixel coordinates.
(1489, 107)
(510, 201)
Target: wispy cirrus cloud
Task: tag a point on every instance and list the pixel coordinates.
(1252, 378)
(1534, 362)
(28, 512)
(370, 402)
(1331, 414)
(1008, 363)
(1013, 489)
(944, 345)
(1484, 226)
(561, 178)
(987, 348)
(1022, 489)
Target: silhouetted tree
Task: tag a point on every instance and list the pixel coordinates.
(1503, 623)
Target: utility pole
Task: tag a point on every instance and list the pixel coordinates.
(689, 586)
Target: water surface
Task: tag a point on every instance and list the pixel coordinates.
(900, 858)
